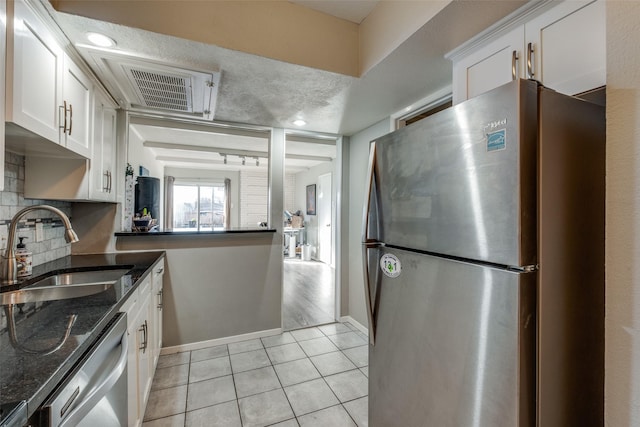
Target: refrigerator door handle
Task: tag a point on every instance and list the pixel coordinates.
(368, 243)
(367, 193)
(367, 288)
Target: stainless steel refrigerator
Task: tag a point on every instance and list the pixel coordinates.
(483, 245)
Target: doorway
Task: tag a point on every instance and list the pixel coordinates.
(309, 288)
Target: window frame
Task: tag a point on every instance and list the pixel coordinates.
(198, 185)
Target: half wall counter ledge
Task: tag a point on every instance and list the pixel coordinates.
(235, 230)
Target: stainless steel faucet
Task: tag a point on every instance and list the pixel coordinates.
(9, 271)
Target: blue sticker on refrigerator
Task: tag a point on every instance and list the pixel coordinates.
(497, 140)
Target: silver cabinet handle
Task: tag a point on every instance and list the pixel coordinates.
(514, 65)
(530, 51)
(70, 118)
(64, 111)
(143, 329)
(78, 413)
(105, 187)
(110, 181)
(160, 299)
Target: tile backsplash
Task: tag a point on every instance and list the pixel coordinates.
(53, 244)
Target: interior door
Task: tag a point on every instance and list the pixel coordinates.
(325, 228)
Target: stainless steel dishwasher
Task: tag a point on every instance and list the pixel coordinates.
(95, 392)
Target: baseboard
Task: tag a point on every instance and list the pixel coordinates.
(219, 341)
(355, 323)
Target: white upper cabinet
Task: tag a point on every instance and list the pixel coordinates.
(488, 67)
(103, 155)
(35, 80)
(560, 44)
(77, 90)
(47, 93)
(568, 43)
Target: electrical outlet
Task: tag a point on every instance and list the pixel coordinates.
(39, 232)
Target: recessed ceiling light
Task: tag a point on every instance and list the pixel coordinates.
(299, 122)
(101, 40)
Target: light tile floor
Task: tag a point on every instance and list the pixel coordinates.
(307, 377)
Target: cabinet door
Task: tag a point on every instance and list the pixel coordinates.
(36, 75)
(156, 306)
(493, 65)
(77, 91)
(103, 151)
(145, 375)
(569, 46)
(130, 307)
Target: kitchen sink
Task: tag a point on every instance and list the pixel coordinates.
(64, 285)
(52, 293)
(80, 278)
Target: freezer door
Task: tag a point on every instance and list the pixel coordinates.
(455, 345)
(463, 181)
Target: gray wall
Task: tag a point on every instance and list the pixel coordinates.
(358, 162)
(217, 286)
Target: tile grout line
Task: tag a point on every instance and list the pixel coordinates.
(235, 389)
(295, 417)
(186, 398)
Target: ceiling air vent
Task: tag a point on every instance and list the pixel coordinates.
(166, 91)
(142, 84)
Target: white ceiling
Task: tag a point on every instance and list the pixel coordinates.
(261, 91)
(183, 148)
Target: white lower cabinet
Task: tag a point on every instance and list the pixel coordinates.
(131, 308)
(141, 366)
(157, 277)
(145, 356)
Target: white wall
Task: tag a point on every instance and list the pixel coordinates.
(302, 180)
(254, 187)
(290, 193)
(622, 354)
(358, 159)
(138, 155)
(204, 175)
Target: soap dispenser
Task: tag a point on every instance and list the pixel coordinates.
(24, 259)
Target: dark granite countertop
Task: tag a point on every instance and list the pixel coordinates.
(29, 376)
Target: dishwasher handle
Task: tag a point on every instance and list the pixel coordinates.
(101, 390)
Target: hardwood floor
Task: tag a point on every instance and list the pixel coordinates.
(308, 294)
